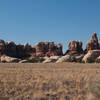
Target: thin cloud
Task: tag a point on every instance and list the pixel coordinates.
(3, 33)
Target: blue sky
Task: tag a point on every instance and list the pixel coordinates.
(49, 20)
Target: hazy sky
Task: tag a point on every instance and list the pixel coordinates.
(49, 20)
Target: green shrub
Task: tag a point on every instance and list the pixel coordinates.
(3, 61)
(36, 60)
(90, 60)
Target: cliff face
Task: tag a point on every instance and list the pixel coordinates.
(48, 49)
(43, 49)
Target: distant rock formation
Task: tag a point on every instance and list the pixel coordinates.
(29, 50)
(11, 52)
(48, 49)
(2, 47)
(41, 49)
(74, 47)
(93, 44)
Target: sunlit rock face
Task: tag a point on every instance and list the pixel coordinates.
(74, 47)
(48, 49)
(40, 48)
(93, 44)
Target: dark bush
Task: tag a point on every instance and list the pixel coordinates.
(36, 60)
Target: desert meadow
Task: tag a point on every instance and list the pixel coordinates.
(51, 81)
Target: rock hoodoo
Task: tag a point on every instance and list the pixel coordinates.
(93, 44)
(74, 47)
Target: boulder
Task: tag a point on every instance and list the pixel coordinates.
(98, 59)
(45, 57)
(9, 59)
(48, 60)
(51, 59)
(93, 44)
(66, 58)
(23, 61)
(55, 57)
(91, 56)
(74, 47)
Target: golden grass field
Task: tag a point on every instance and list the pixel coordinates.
(55, 81)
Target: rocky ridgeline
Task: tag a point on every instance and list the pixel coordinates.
(47, 52)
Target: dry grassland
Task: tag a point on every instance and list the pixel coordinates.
(63, 81)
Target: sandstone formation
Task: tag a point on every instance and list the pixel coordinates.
(29, 51)
(66, 58)
(41, 49)
(91, 56)
(23, 61)
(51, 59)
(9, 59)
(55, 57)
(98, 59)
(93, 44)
(74, 47)
(50, 52)
(48, 49)
(2, 47)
